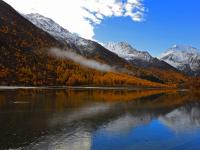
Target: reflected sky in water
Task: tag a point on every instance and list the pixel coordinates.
(85, 119)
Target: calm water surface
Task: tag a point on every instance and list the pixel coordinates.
(85, 119)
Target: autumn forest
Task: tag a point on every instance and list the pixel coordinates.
(25, 61)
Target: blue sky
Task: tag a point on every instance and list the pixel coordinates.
(167, 22)
(151, 25)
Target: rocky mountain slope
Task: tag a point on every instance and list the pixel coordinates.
(139, 58)
(184, 58)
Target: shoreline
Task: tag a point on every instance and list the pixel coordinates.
(87, 87)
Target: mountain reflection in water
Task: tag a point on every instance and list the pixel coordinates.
(99, 119)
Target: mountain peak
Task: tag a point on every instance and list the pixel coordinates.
(183, 57)
(126, 51)
(184, 48)
(120, 45)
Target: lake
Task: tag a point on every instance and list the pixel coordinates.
(99, 119)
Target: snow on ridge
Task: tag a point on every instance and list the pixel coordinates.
(51, 27)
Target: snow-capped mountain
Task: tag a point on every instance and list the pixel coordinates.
(138, 58)
(184, 58)
(127, 52)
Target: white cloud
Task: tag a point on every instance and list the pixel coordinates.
(81, 16)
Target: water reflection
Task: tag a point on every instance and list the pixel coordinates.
(183, 118)
(98, 119)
